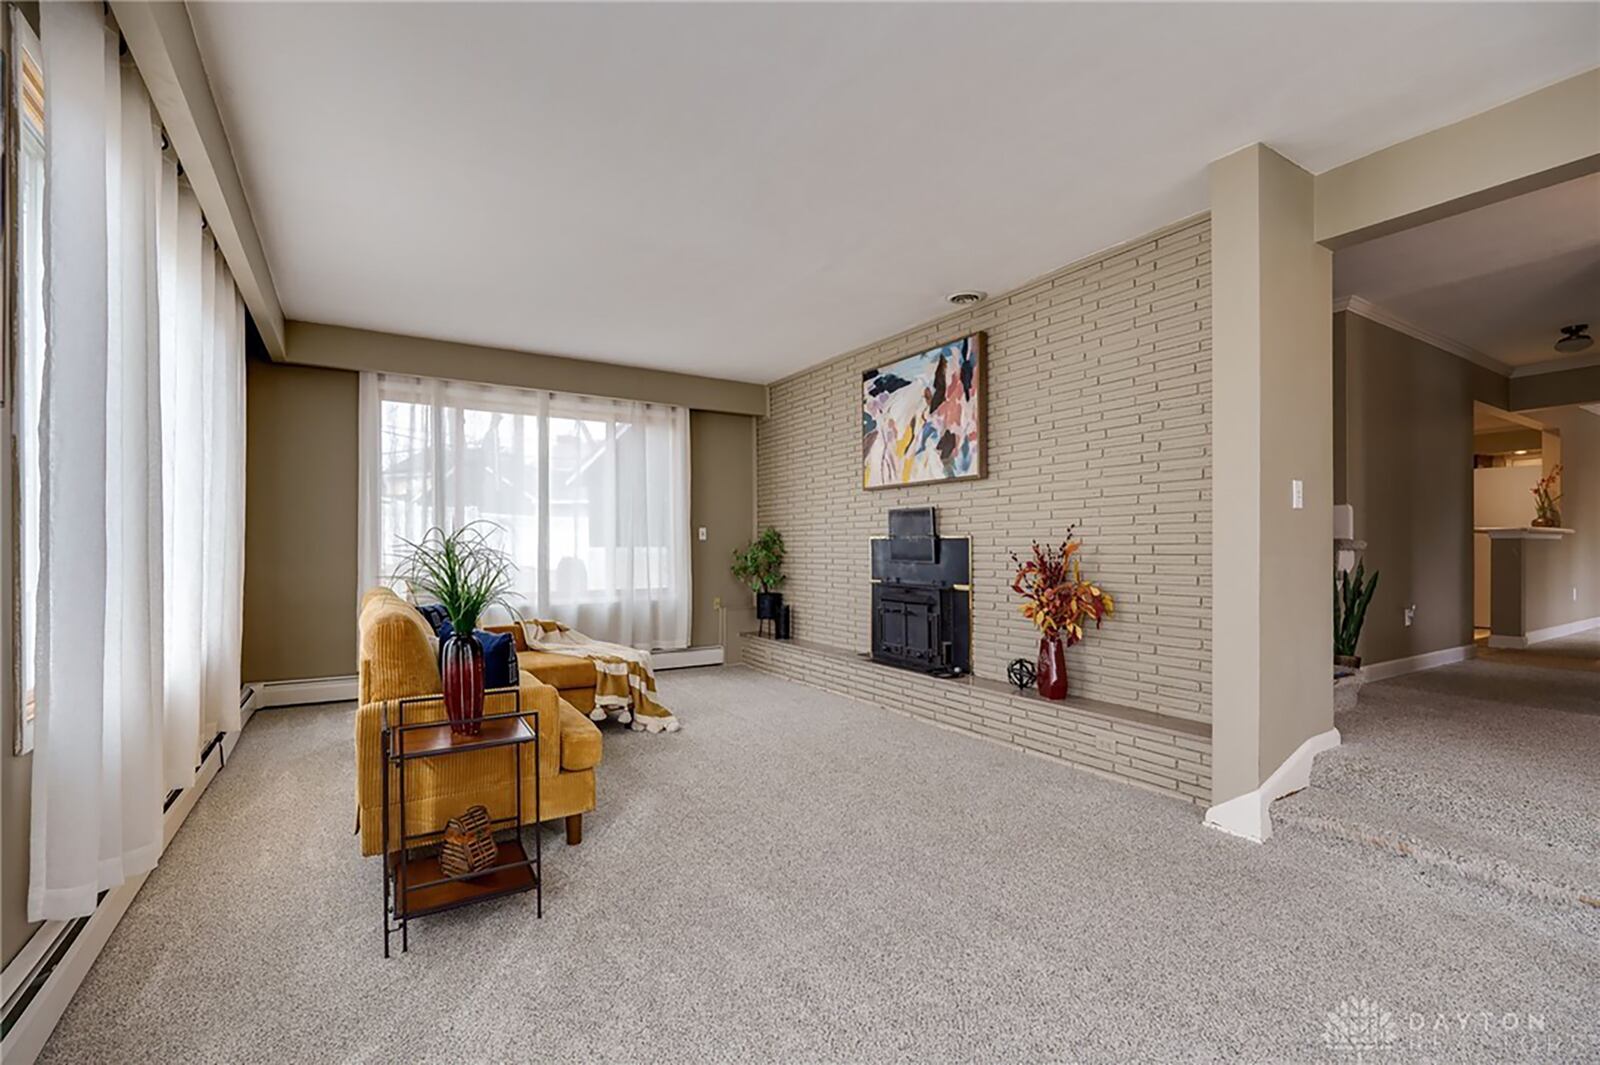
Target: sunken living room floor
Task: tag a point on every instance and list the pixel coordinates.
(800, 877)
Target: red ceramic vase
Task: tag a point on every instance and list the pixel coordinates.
(461, 661)
(1052, 668)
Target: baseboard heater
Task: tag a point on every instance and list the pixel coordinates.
(686, 658)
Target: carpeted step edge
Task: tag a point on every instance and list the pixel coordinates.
(1472, 865)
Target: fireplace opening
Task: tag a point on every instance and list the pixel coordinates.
(922, 596)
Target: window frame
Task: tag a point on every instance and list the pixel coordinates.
(21, 50)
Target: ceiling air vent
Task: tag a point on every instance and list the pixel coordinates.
(966, 299)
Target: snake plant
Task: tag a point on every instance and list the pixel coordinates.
(1351, 594)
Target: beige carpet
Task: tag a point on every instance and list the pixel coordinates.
(1485, 768)
(797, 877)
(1577, 652)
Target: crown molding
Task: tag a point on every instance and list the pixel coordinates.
(1557, 365)
(1374, 313)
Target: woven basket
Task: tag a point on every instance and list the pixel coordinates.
(468, 843)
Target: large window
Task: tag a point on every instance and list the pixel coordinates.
(591, 496)
(27, 92)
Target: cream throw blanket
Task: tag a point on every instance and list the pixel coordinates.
(625, 685)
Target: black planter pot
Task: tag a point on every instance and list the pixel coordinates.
(768, 605)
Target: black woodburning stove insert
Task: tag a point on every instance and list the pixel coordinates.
(922, 596)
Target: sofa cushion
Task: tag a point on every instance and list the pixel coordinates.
(558, 671)
(580, 740)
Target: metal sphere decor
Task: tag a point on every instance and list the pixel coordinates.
(1021, 673)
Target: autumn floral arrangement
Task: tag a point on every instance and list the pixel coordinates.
(1547, 501)
(1060, 603)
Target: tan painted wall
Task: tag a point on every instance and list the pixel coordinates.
(722, 500)
(1273, 387)
(1403, 428)
(1543, 138)
(1507, 441)
(1556, 569)
(1506, 563)
(1099, 393)
(301, 468)
(360, 349)
(1553, 389)
(1297, 442)
(1501, 495)
(301, 519)
(1403, 441)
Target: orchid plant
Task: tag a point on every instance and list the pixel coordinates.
(1055, 596)
(1547, 501)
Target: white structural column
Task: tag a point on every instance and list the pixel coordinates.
(1272, 496)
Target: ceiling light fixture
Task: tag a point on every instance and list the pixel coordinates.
(1524, 451)
(1574, 338)
(967, 298)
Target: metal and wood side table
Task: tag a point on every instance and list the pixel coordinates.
(416, 886)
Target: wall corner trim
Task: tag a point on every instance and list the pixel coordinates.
(1247, 815)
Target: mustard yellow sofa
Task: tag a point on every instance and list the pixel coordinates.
(397, 661)
(573, 677)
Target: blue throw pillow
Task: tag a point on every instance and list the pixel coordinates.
(499, 655)
(436, 617)
(499, 659)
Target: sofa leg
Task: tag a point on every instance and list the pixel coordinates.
(574, 829)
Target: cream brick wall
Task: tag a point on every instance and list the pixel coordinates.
(1157, 753)
(1099, 414)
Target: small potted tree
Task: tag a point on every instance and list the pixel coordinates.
(760, 565)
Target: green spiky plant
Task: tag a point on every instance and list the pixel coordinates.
(462, 571)
(1352, 593)
(761, 564)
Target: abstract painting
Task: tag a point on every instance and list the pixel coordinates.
(922, 417)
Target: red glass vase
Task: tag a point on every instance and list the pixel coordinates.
(461, 662)
(1052, 671)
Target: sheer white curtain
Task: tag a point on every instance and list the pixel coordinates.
(593, 495)
(202, 382)
(112, 639)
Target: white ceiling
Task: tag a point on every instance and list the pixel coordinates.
(746, 190)
(1501, 280)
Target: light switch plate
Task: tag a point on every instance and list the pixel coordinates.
(1297, 494)
(702, 533)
